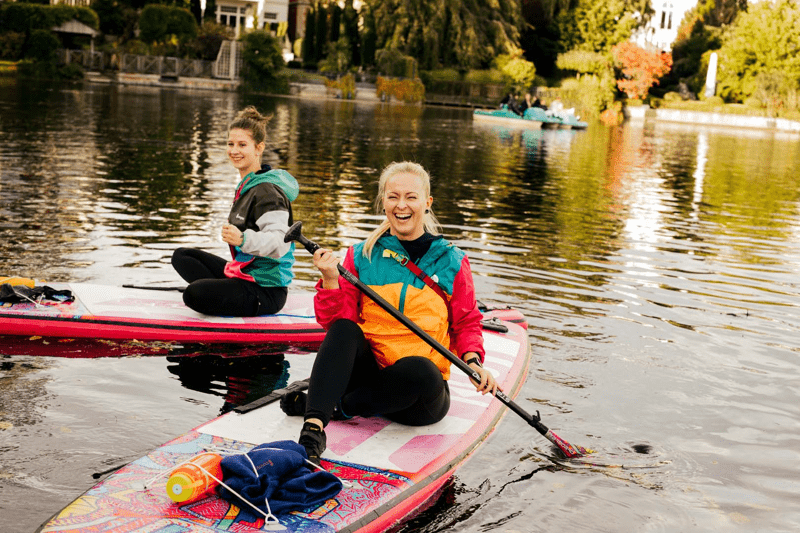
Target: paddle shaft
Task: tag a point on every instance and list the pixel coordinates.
(533, 421)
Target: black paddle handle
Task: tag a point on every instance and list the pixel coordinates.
(295, 233)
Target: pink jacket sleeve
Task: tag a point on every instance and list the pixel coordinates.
(344, 302)
(466, 332)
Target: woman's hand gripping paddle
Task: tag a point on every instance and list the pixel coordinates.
(295, 234)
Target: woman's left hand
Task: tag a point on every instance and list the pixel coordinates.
(232, 235)
(487, 384)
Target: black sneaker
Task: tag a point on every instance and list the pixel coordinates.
(338, 413)
(313, 439)
(294, 403)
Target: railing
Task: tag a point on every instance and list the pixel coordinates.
(85, 58)
(227, 66)
(460, 92)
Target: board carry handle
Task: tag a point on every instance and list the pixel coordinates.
(295, 233)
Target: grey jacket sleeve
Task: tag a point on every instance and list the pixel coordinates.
(268, 240)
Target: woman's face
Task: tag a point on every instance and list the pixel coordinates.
(404, 203)
(243, 152)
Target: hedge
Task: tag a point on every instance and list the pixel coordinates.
(19, 17)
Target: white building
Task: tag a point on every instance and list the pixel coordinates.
(247, 14)
(661, 30)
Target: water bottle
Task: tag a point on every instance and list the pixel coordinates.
(190, 482)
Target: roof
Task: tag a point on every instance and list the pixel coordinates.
(74, 26)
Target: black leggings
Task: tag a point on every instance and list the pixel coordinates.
(412, 391)
(212, 293)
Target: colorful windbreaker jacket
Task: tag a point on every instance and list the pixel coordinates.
(262, 210)
(390, 340)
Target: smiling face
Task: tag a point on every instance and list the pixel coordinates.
(243, 152)
(405, 202)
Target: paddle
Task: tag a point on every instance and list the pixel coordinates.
(155, 288)
(295, 234)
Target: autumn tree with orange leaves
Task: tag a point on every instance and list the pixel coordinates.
(640, 68)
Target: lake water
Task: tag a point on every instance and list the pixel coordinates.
(657, 266)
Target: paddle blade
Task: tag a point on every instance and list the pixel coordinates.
(566, 448)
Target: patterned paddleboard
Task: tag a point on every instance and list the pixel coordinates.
(389, 470)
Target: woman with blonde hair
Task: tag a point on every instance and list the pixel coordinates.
(369, 363)
(255, 280)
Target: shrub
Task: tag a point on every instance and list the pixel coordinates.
(443, 74)
(11, 44)
(346, 84)
(410, 91)
(72, 71)
(208, 41)
(590, 94)
(42, 46)
(263, 60)
(753, 103)
(672, 97)
(392, 62)
(24, 17)
(484, 76)
(517, 71)
(714, 101)
(159, 23)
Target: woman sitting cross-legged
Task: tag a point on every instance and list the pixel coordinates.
(369, 364)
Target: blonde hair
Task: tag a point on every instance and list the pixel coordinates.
(430, 223)
(250, 120)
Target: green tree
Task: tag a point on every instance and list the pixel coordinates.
(459, 33)
(309, 51)
(197, 11)
(335, 22)
(760, 48)
(320, 32)
(262, 58)
(159, 23)
(210, 13)
(350, 22)
(368, 38)
(594, 26)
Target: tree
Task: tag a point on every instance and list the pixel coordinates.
(640, 68)
(350, 22)
(699, 32)
(210, 12)
(262, 58)
(320, 32)
(197, 11)
(760, 47)
(158, 23)
(593, 26)
(368, 38)
(452, 33)
(308, 52)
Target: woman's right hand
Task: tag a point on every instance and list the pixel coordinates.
(327, 264)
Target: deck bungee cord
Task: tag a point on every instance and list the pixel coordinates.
(569, 450)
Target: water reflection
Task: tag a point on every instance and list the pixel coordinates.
(656, 265)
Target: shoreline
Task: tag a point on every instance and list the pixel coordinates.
(365, 92)
(705, 118)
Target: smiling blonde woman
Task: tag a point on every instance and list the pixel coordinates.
(369, 363)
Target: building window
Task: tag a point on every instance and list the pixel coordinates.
(663, 18)
(227, 9)
(270, 16)
(669, 21)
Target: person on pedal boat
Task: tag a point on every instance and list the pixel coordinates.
(255, 281)
(369, 364)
